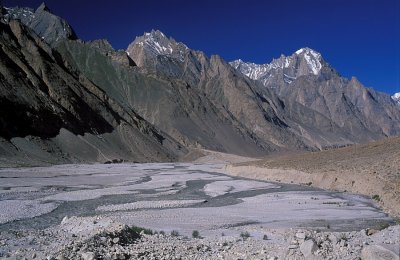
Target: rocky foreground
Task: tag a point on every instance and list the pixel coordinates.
(101, 238)
(238, 218)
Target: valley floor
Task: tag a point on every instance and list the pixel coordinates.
(84, 211)
(371, 169)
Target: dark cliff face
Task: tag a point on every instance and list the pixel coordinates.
(38, 95)
(181, 110)
(44, 97)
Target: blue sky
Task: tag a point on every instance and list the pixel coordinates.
(358, 37)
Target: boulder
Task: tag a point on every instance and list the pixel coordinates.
(308, 248)
(301, 235)
(375, 252)
(88, 256)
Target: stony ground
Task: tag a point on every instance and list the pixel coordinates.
(101, 238)
(371, 169)
(238, 218)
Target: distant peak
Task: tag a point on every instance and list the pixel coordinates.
(237, 63)
(154, 36)
(304, 61)
(158, 43)
(312, 58)
(396, 98)
(307, 50)
(155, 33)
(43, 7)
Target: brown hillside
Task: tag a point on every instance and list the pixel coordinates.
(372, 169)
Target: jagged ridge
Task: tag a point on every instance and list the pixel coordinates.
(48, 26)
(173, 97)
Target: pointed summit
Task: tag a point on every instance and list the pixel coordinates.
(396, 98)
(307, 50)
(303, 62)
(313, 59)
(155, 33)
(153, 44)
(158, 43)
(43, 8)
(49, 27)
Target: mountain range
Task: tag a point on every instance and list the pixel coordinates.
(64, 100)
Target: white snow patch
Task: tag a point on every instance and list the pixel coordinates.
(396, 98)
(288, 79)
(159, 44)
(287, 62)
(313, 61)
(158, 47)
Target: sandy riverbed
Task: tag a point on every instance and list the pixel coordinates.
(173, 196)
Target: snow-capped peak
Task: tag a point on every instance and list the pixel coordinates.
(396, 98)
(304, 61)
(298, 52)
(308, 50)
(157, 43)
(312, 58)
(155, 34)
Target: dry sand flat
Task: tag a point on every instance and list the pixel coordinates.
(171, 196)
(181, 196)
(372, 169)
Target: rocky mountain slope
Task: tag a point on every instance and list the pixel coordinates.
(303, 62)
(304, 80)
(171, 104)
(48, 26)
(51, 113)
(159, 99)
(256, 117)
(300, 97)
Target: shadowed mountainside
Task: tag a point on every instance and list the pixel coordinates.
(181, 110)
(52, 113)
